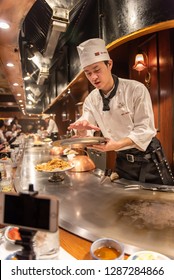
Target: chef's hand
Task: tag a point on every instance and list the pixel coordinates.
(112, 145)
(82, 127)
(109, 145)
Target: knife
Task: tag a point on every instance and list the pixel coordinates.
(106, 176)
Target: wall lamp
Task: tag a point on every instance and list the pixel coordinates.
(141, 63)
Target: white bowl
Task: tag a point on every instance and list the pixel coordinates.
(147, 255)
(6, 234)
(107, 249)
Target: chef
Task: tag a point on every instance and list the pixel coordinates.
(122, 110)
(52, 129)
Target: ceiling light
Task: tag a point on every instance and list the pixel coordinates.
(15, 84)
(9, 64)
(4, 25)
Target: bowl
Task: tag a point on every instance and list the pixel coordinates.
(147, 255)
(11, 257)
(107, 249)
(12, 234)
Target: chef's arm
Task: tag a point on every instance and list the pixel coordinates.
(112, 145)
(121, 144)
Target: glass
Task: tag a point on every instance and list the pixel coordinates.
(107, 249)
(46, 245)
(6, 185)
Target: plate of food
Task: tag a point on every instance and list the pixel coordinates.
(5, 159)
(37, 143)
(12, 234)
(69, 151)
(54, 165)
(47, 140)
(147, 255)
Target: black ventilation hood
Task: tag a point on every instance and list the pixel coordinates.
(33, 38)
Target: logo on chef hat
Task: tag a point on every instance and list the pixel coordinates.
(100, 53)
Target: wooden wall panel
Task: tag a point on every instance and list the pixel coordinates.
(166, 92)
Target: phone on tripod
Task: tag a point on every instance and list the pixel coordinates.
(38, 212)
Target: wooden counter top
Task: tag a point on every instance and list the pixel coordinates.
(76, 246)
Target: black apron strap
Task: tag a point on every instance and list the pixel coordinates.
(162, 166)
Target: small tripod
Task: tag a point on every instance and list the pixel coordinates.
(27, 252)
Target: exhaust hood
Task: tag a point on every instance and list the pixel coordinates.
(59, 23)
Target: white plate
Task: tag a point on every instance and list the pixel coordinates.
(47, 140)
(63, 255)
(38, 144)
(82, 140)
(5, 160)
(58, 169)
(148, 255)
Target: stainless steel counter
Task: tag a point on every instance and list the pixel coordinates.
(141, 219)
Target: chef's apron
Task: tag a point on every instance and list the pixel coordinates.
(150, 166)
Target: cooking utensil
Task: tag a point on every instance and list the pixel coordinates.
(82, 140)
(135, 185)
(82, 163)
(151, 188)
(106, 176)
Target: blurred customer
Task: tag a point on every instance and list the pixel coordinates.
(3, 139)
(15, 124)
(40, 130)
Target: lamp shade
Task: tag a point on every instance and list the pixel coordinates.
(139, 62)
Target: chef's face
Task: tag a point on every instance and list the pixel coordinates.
(47, 120)
(99, 75)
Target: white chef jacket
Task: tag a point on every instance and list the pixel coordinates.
(131, 114)
(52, 127)
(2, 137)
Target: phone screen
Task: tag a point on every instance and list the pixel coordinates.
(27, 211)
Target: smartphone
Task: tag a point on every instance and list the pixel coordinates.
(37, 212)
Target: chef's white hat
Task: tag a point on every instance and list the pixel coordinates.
(92, 51)
(45, 116)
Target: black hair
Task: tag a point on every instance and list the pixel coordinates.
(1, 123)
